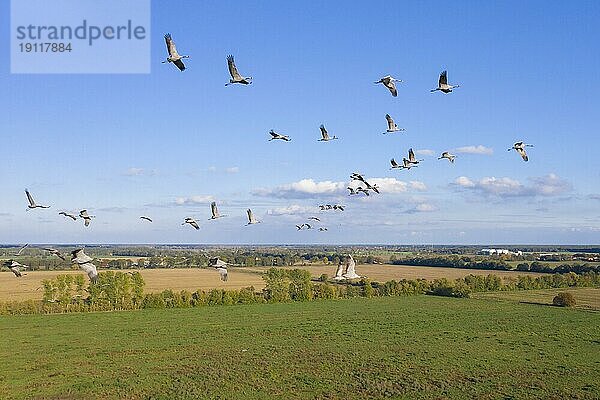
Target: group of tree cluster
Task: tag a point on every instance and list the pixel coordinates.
(125, 291)
(578, 268)
(487, 263)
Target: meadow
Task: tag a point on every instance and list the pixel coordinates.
(587, 298)
(398, 347)
(29, 286)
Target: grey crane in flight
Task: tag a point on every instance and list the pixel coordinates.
(54, 252)
(390, 83)
(18, 253)
(391, 125)
(192, 222)
(32, 203)
(520, 148)
(251, 219)
(350, 272)
(443, 85)
(15, 267)
(411, 157)
(174, 57)
(87, 218)
(325, 136)
(220, 266)
(84, 262)
(358, 177)
(214, 211)
(448, 156)
(277, 136)
(405, 164)
(235, 75)
(68, 215)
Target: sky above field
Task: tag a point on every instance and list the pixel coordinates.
(166, 144)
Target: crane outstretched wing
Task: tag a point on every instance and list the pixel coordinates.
(29, 198)
(324, 132)
(411, 155)
(523, 154)
(390, 122)
(235, 75)
(171, 46)
(443, 78)
(214, 210)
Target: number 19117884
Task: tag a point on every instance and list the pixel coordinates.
(45, 47)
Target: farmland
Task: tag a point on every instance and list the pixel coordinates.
(28, 287)
(400, 347)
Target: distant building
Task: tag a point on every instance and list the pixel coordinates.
(490, 252)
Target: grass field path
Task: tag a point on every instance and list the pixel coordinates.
(411, 347)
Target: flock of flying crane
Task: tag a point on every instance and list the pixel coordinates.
(85, 262)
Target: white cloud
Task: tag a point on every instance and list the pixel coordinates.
(212, 168)
(113, 209)
(464, 182)
(548, 185)
(425, 152)
(306, 188)
(501, 186)
(393, 185)
(389, 185)
(232, 170)
(420, 207)
(133, 171)
(291, 210)
(418, 185)
(479, 149)
(193, 200)
(425, 207)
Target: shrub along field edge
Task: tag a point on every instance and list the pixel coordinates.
(125, 291)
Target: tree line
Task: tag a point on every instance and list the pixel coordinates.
(125, 291)
(467, 262)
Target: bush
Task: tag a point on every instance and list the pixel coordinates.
(153, 300)
(246, 296)
(277, 286)
(324, 291)
(367, 288)
(564, 299)
(323, 278)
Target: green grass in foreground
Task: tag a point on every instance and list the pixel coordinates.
(406, 347)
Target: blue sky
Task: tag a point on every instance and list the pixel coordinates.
(165, 144)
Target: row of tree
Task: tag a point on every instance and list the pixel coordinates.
(486, 263)
(124, 291)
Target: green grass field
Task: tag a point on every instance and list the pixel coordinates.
(411, 347)
(586, 298)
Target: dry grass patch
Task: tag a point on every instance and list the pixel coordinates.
(157, 280)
